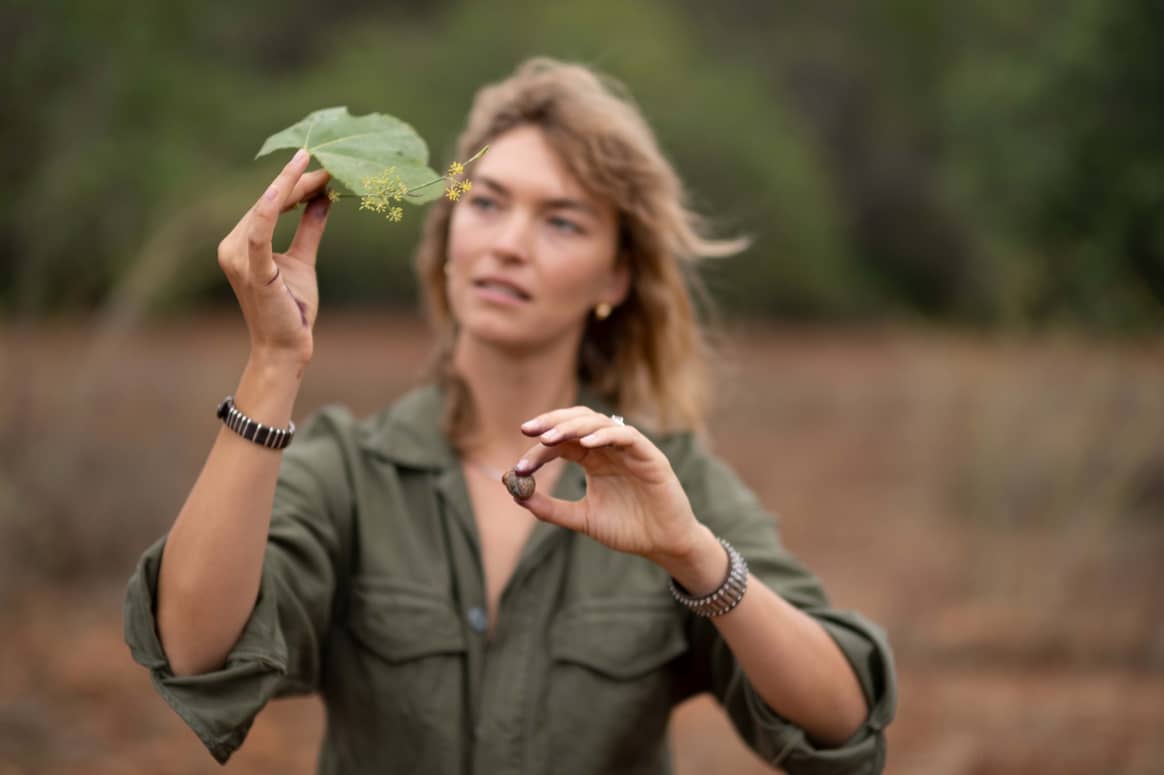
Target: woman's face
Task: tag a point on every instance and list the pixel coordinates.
(530, 251)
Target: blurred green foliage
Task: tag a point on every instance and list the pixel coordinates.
(996, 163)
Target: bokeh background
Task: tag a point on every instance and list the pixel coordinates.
(942, 359)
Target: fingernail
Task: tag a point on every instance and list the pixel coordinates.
(588, 438)
(299, 156)
(271, 193)
(521, 465)
(551, 434)
(529, 425)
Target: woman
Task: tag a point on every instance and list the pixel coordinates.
(450, 626)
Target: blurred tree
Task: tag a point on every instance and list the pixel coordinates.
(995, 162)
(1057, 112)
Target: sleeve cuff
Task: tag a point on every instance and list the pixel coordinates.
(785, 745)
(219, 706)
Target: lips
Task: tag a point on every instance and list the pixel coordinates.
(500, 285)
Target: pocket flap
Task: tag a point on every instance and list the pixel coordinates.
(620, 640)
(401, 623)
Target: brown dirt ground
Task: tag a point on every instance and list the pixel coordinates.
(997, 505)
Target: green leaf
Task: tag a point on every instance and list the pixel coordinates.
(353, 148)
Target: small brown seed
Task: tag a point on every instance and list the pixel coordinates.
(519, 486)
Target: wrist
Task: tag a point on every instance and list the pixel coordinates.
(268, 389)
(701, 566)
(277, 363)
(251, 429)
(725, 597)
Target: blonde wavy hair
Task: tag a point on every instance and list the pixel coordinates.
(648, 359)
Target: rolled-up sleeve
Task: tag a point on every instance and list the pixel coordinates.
(732, 511)
(279, 650)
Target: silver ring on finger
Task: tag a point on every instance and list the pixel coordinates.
(618, 419)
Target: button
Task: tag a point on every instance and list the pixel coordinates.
(478, 619)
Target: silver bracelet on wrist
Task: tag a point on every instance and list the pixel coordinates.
(727, 596)
(252, 430)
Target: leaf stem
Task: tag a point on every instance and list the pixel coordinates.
(466, 163)
(477, 155)
(426, 185)
(438, 179)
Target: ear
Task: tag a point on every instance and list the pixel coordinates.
(618, 284)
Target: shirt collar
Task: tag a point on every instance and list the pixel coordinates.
(409, 431)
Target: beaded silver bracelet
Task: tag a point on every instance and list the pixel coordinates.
(727, 596)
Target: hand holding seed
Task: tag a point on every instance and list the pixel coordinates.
(633, 500)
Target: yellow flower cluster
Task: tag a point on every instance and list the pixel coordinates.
(456, 185)
(381, 191)
(384, 191)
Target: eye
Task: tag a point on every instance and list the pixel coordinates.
(564, 225)
(482, 202)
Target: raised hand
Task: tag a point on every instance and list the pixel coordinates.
(634, 502)
(278, 292)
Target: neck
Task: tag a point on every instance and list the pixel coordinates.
(507, 388)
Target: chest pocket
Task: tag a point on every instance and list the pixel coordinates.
(612, 681)
(620, 641)
(410, 658)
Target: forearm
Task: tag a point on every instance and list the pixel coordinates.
(794, 665)
(212, 564)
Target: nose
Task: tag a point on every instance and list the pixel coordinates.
(513, 236)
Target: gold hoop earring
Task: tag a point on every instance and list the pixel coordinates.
(602, 310)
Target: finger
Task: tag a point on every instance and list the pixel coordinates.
(568, 514)
(265, 213)
(306, 189)
(545, 421)
(570, 445)
(539, 454)
(635, 446)
(575, 427)
(305, 243)
(610, 436)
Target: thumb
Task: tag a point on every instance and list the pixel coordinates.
(567, 514)
(305, 244)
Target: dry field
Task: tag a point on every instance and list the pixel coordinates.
(998, 505)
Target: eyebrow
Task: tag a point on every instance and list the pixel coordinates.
(558, 203)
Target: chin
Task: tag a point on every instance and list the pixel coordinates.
(494, 329)
(512, 336)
